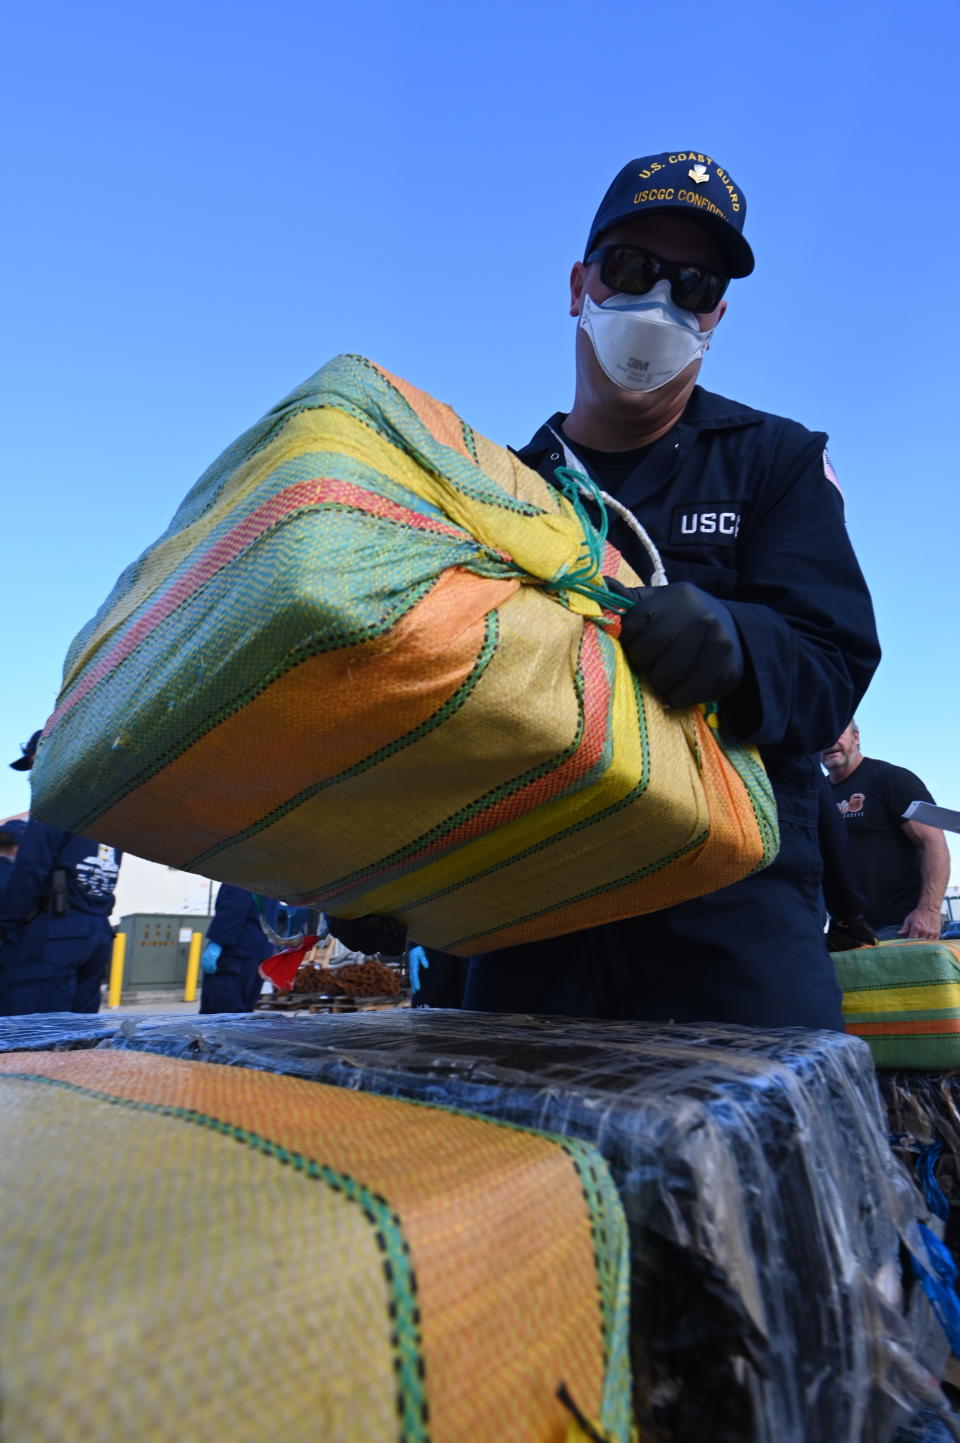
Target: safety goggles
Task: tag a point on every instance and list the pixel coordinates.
(636, 271)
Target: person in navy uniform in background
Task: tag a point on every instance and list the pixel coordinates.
(54, 918)
(765, 611)
(236, 945)
(11, 832)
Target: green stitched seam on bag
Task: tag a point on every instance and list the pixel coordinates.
(485, 563)
(319, 392)
(439, 458)
(460, 472)
(452, 705)
(613, 1275)
(647, 871)
(937, 1053)
(316, 465)
(760, 793)
(759, 790)
(397, 1265)
(868, 969)
(570, 831)
(862, 981)
(422, 446)
(611, 1255)
(293, 658)
(913, 1014)
(377, 872)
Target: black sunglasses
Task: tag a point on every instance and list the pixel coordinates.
(635, 271)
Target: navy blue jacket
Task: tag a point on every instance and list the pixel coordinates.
(90, 870)
(236, 923)
(739, 502)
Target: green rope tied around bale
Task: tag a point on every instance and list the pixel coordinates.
(575, 485)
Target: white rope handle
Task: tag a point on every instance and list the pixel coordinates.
(573, 463)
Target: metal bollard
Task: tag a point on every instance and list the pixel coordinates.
(117, 958)
(193, 968)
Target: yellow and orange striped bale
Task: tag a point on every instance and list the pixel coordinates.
(370, 667)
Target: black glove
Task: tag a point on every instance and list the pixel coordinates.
(684, 640)
(370, 934)
(845, 936)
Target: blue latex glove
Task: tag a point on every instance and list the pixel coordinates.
(417, 960)
(208, 957)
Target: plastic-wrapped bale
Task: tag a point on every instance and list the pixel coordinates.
(56, 1031)
(930, 1427)
(903, 999)
(923, 1111)
(367, 668)
(194, 1252)
(768, 1218)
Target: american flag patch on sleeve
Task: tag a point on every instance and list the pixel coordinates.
(829, 472)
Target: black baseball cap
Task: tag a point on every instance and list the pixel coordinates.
(24, 763)
(689, 183)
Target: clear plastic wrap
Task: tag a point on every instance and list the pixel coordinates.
(927, 1427)
(768, 1216)
(193, 1252)
(55, 1031)
(924, 1114)
(923, 1109)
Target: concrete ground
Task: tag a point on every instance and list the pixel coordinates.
(142, 1004)
(139, 1002)
(145, 1004)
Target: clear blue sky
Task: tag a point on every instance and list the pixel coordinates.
(205, 202)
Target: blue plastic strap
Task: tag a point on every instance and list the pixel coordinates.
(938, 1282)
(925, 1167)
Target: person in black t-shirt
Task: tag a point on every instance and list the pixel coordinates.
(902, 867)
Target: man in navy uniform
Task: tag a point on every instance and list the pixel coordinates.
(11, 832)
(236, 945)
(765, 611)
(54, 918)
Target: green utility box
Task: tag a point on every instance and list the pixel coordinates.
(158, 946)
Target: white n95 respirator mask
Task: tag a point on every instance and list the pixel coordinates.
(642, 342)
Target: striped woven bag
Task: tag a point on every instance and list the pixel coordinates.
(903, 998)
(372, 666)
(207, 1252)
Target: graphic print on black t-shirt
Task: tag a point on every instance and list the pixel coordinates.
(872, 801)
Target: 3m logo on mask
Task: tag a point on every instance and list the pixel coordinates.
(713, 522)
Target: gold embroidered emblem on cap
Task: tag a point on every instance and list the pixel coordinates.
(699, 173)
